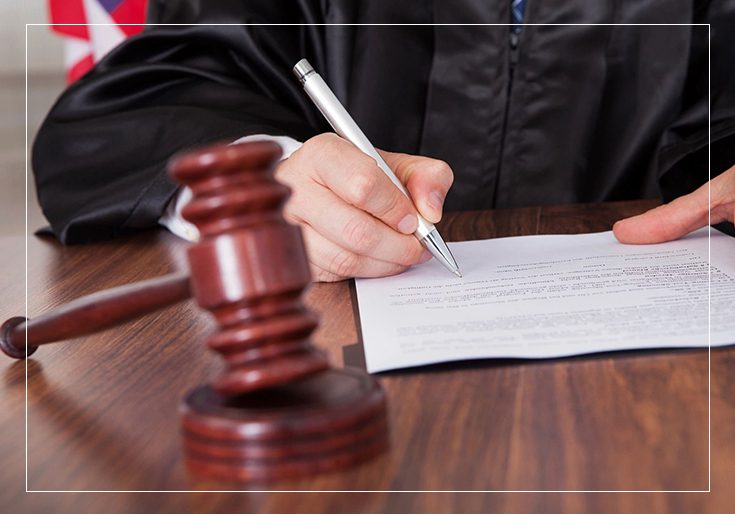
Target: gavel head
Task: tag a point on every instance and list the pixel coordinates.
(278, 411)
(249, 267)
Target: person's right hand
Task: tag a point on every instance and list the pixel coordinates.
(355, 222)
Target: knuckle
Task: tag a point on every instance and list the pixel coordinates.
(329, 138)
(330, 142)
(283, 173)
(344, 264)
(318, 145)
(307, 148)
(362, 186)
(442, 170)
(320, 139)
(358, 234)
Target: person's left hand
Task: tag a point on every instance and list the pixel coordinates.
(679, 217)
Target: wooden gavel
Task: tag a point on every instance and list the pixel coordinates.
(278, 410)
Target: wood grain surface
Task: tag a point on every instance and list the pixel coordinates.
(103, 411)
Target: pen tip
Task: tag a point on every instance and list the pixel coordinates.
(458, 273)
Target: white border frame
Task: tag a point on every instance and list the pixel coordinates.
(709, 260)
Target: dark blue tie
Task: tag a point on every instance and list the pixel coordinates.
(516, 13)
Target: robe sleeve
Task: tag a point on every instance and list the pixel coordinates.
(683, 156)
(99, 158)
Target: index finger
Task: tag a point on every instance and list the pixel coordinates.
(665, 222)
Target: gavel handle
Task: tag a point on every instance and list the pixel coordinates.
(92, 313)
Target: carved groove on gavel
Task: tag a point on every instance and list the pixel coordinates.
(278, 410)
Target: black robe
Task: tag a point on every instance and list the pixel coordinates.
(570, 114)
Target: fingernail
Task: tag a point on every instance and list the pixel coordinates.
(436, 201)
(408, 224)
(425, 256)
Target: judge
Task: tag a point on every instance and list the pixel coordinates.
(469, 117)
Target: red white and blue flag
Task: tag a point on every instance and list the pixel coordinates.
(87, 44)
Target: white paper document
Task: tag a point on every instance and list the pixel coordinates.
(552, 296)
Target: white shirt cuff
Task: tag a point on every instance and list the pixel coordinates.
(172, 218)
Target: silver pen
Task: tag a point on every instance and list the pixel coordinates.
(345, 126)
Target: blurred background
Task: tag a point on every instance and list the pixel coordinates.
(46, 79)
(56, 56)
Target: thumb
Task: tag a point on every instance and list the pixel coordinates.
(665, 222)
(427, 180)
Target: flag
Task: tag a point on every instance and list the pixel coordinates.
(86, 44)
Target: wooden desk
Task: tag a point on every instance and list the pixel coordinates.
(102, 410)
